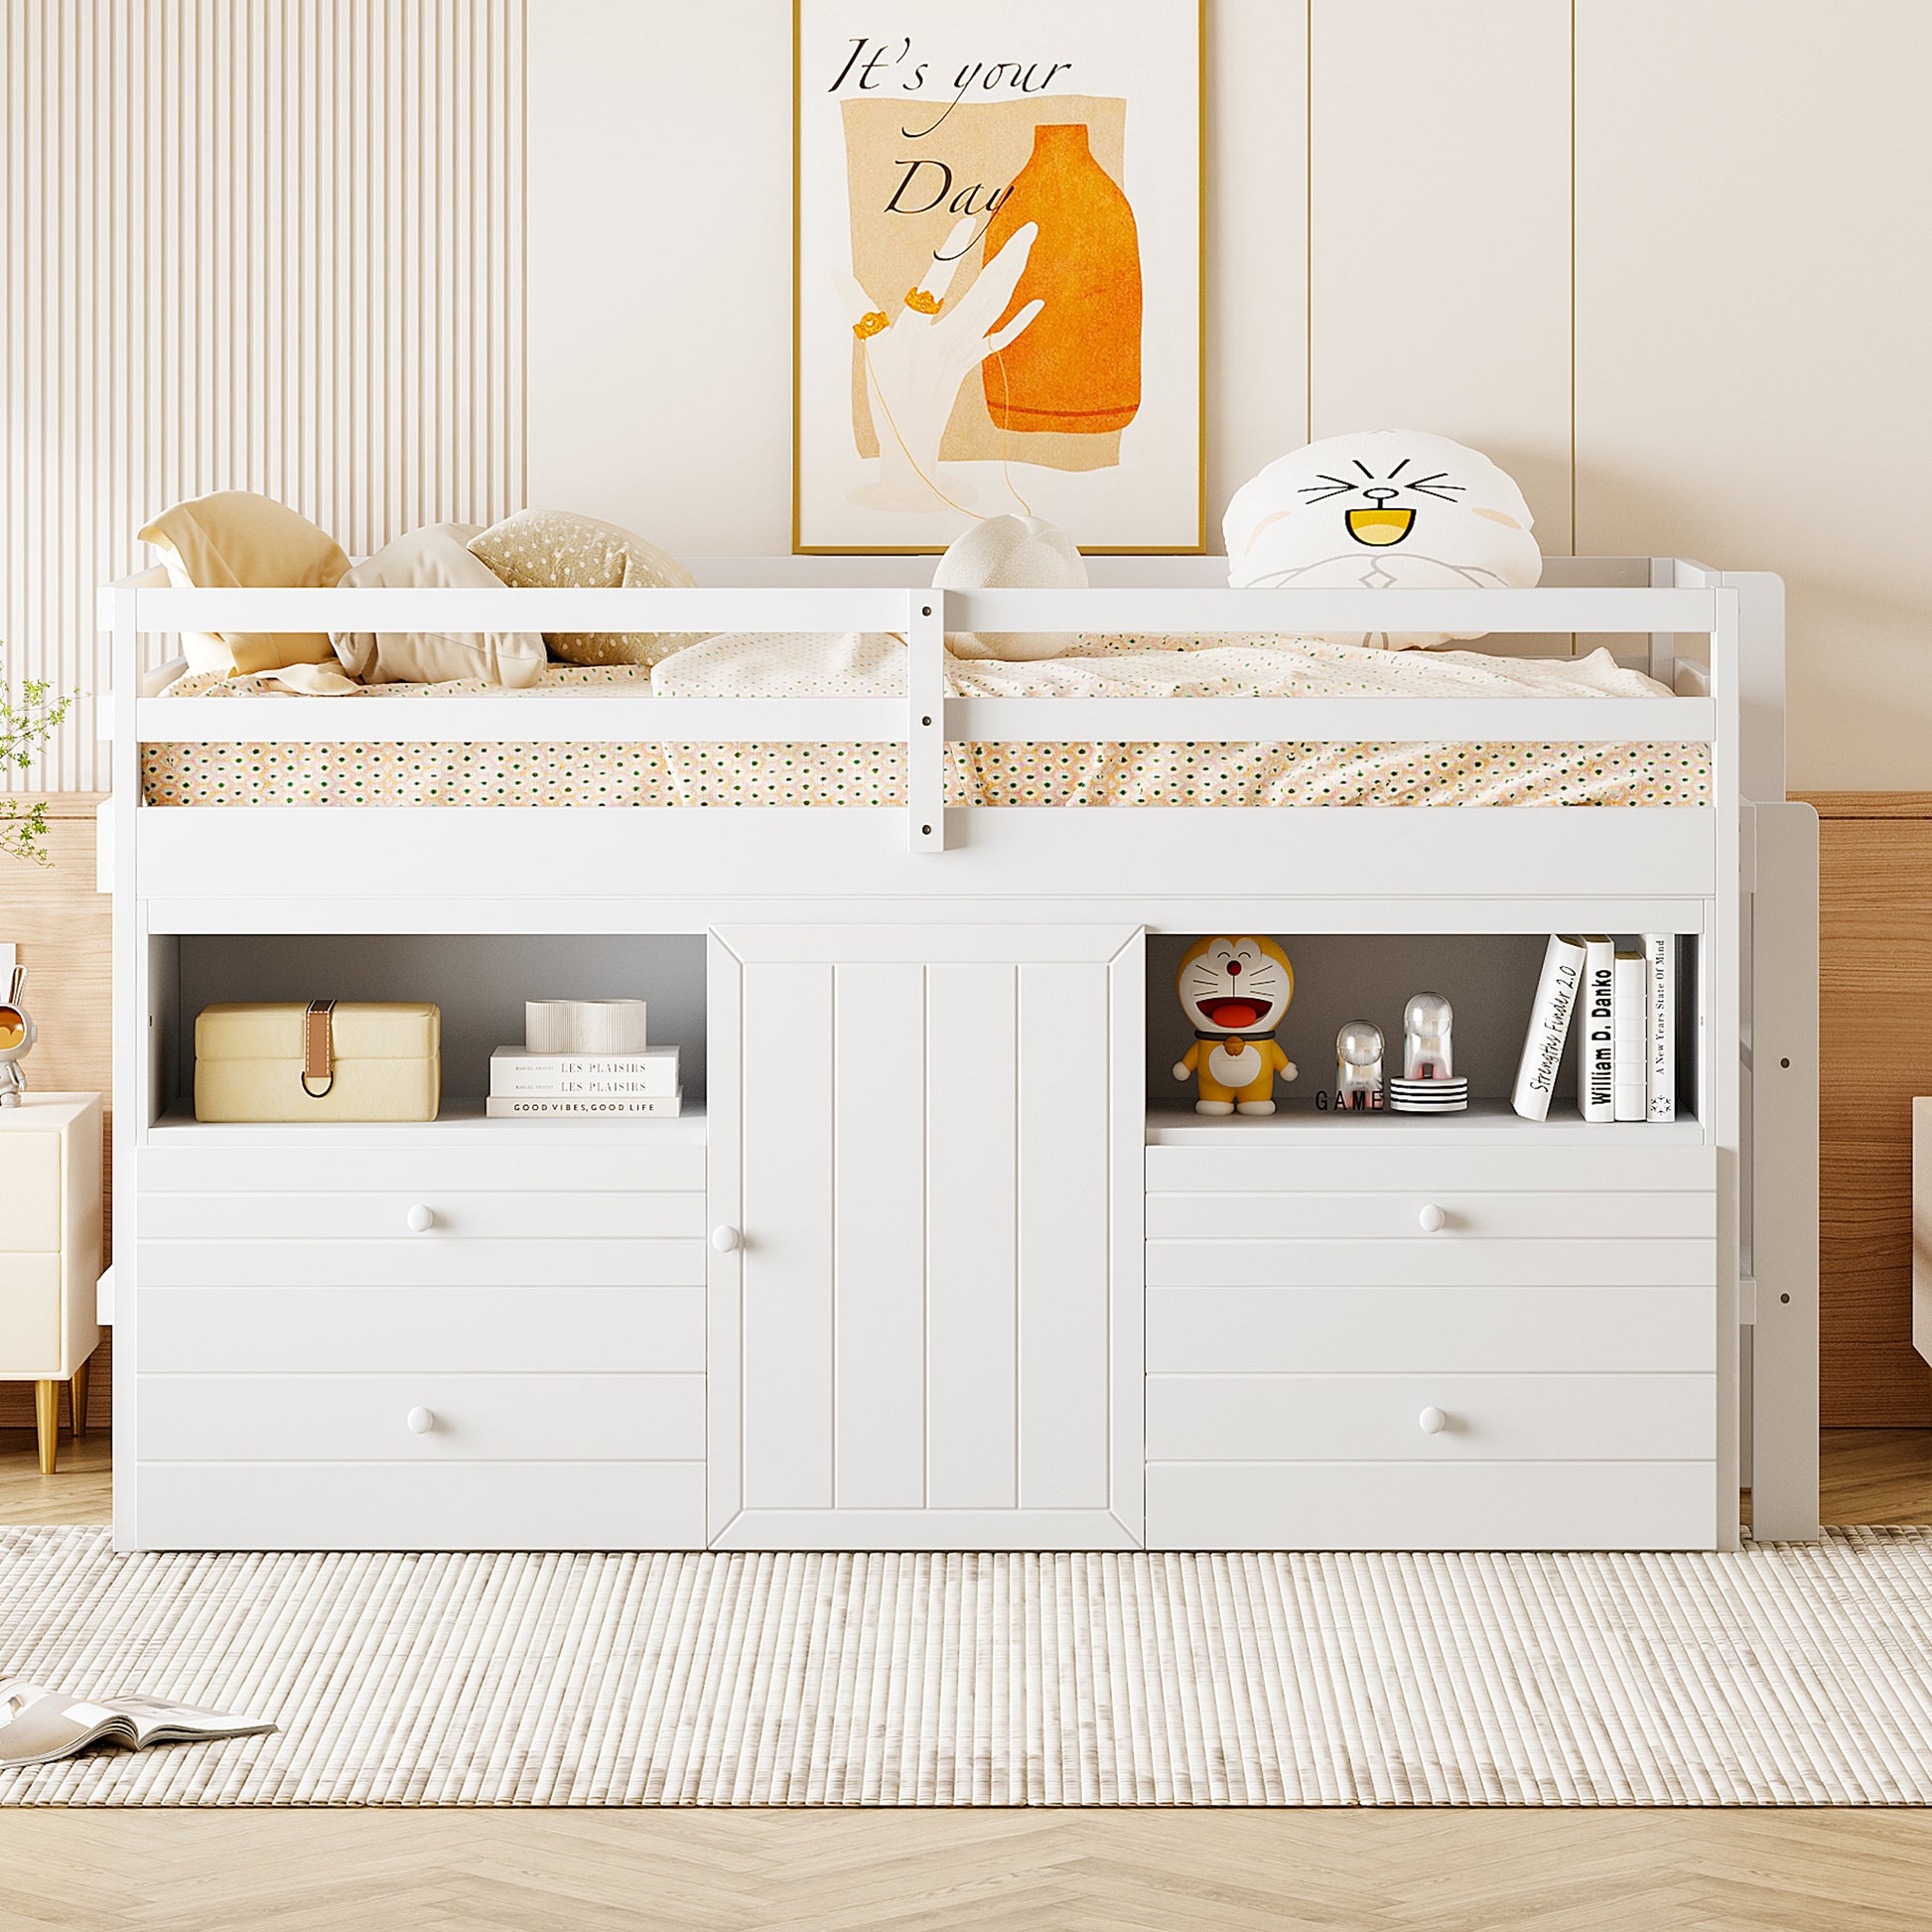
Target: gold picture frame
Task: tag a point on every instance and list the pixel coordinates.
(1190, 21)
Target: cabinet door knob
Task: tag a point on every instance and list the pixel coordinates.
(421, 1219)
(1433, 1421)
(1431, 1219)
(724, 1239)
(420, 1420)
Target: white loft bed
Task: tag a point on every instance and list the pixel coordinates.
(1131, 1326)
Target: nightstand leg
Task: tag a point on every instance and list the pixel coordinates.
(47, 1422)
(78, 1389)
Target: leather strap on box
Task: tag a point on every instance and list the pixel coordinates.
(318, 1048)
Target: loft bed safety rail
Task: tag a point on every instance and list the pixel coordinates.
(925, 719)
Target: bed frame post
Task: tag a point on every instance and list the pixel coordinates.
(1725, 1051)
(131, 1034)
(925, 721)
(1663, 643)
(1780, 1121)
(1784, 1175)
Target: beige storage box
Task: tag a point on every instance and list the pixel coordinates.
(320, 1061)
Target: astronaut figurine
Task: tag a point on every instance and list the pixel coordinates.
(1359, 1067)
(1427, 1022)
(15, 1041)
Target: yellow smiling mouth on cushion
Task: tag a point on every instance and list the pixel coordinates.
(1379, 527)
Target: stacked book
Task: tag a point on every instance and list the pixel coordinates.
(1625, 1009)
(593, 1062)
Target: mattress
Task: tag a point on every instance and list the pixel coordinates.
(1373, 773)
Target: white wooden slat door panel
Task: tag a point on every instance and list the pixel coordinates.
(935, 1170)
(972, 1251)
(1063, 1146)
(785, 1135)
(878, 1239)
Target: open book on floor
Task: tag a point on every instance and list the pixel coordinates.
(36, 1725)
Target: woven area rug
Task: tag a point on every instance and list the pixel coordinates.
(1785, 1675)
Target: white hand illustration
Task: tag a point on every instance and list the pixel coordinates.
(917, 360)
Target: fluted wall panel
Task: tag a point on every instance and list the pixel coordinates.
(261, 244)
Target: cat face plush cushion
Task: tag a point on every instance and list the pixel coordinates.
(1382, 509)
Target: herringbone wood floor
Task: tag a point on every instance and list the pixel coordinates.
(987, 1872)
(990, 1871)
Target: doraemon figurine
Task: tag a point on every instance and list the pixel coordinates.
(15, 1040)
(1235, 991)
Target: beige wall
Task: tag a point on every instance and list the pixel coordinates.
(1665, 261)
(1722, 354)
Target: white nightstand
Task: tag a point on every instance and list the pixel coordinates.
(1922, 1228)
(50, 1252)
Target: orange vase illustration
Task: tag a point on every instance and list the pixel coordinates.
(1078, 367)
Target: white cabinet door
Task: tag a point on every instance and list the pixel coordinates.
(926, 1189)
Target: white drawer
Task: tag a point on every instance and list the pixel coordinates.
(1587, 1165)
(453, 1216)
(1440, 1506)
(1430, 1330)
(416, 1261)
(364, 1162)
(1444, 1215)
(30, 1192)
(320, 1330)
(477, 1417)
(30, 1313)
(1418, 1261)
(400, 1506)
(1378, 1418)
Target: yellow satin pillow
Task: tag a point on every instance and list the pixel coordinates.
(234, 539)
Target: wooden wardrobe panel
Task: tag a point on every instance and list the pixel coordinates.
(1876, 986)
(1439, 232)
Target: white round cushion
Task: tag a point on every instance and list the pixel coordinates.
(1010, 553)
(1385, 509)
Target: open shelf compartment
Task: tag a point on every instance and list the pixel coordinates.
(1490, 981)
(479, 982)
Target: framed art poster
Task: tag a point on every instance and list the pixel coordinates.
(997, 275)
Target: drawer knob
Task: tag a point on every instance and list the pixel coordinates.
(1431, 1219)
(420, 1420)
(724, 1239)
(1433, 1421)
(421, 1219)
